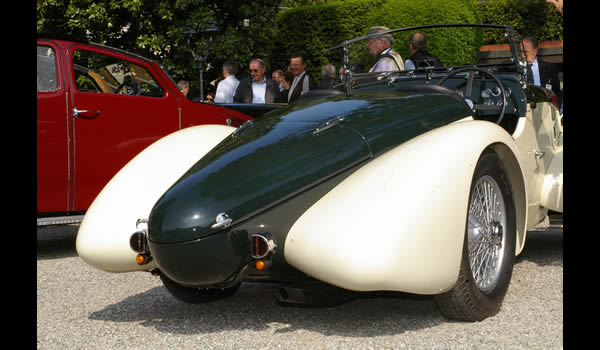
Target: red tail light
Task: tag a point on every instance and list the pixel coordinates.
(263, 245)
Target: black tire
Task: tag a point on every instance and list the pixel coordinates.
(196, 295)
(470, 299)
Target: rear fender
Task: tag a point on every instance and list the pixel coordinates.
(103, 236)
(398, 223)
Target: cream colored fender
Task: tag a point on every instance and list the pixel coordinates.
(103, 236)
(398, 223)
(552, 189)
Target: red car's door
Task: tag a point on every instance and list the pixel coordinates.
(119, 107)
(52, 130)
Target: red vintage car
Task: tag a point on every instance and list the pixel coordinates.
(97, 107)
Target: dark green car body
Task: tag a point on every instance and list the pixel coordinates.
(421, 181)
(266, 174)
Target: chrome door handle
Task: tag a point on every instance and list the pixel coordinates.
(85, 114)
(329, 124)
(557, 137)
(247, 124)
(537, 153)
(222, 221)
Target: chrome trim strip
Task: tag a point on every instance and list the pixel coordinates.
(237, 131)
(60, 220)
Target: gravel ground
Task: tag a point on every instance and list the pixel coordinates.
(80, 307)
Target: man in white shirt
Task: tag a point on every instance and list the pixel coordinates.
(226, 88)
(258, 88)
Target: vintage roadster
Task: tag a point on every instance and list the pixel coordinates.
(422, 181)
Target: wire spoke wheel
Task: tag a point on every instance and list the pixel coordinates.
(489, 243)
(486, 239)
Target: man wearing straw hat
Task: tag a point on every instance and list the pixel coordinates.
(380, 46)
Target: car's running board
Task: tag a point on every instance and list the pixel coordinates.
(60, 220)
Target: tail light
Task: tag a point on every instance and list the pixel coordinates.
(263, 245)
(139, 244)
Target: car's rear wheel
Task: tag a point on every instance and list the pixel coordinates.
(489, 246)
(196, 295)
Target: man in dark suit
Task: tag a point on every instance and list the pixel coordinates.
(328, 80)
(540, 72)
(420, 57)
(302, 82)
(257, 88)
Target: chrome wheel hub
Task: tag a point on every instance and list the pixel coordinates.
(485, 232)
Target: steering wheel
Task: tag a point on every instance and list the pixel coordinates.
(469, 89)
(131, 84)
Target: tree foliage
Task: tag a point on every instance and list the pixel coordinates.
(535, 18)
(318, 27)
(259, 28)
(157, 29)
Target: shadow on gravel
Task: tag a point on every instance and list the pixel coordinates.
(254, 308)
(56, 242)
(543, 246)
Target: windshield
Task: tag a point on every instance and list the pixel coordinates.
(432, 48)
(519, 50)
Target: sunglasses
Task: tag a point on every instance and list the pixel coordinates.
(254, 70)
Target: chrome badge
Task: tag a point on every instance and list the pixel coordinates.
(222, 221)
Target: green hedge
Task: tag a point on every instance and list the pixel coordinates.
(535, 18)
(451, 45)
(313, 29)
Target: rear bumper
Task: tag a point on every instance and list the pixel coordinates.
(219, 260)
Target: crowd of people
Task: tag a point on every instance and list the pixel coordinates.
(286, 86)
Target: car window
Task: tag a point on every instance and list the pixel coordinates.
(46, 69)
(99, 73)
